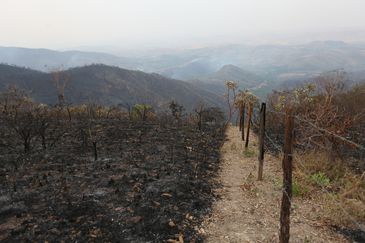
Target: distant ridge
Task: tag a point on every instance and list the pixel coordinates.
(274, 61)
(232, 72)
(215, 82)
(48, 60)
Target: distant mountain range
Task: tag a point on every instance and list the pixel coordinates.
(50, 60)
(277, 62)
(108, 85)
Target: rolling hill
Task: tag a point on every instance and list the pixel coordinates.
(215, 82)
(231, 72)
(108, 85)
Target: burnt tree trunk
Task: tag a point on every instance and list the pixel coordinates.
(26, 147)
(26, 142)
(95, 151)
(44, 144)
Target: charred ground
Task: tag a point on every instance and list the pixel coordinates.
(152, 181)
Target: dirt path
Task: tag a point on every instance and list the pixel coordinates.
(248, 210)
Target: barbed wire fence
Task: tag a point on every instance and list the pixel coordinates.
(277, 142)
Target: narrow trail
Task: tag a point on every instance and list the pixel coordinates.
(249, 210)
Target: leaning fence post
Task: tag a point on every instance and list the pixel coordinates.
(248, 124)
(287, 179)
(261, 140)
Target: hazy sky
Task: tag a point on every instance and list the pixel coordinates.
(182, 23)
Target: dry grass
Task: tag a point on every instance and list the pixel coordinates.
(340, 191)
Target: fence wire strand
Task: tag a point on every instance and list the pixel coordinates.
(359, 146)
(304, 169)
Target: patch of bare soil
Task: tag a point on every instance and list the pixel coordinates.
(248, 210)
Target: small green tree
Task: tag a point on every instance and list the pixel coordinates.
(231, 99)
(141, 111)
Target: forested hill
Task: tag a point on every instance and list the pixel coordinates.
(107, 85)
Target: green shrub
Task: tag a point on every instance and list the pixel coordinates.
(299, 190)
(249, 153)
(319, 179)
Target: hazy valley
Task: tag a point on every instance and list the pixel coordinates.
(259, 68)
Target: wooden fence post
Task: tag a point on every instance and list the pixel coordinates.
(240, 119)
(248, 124)
(287, 179)
(261, 140)
(243, 122)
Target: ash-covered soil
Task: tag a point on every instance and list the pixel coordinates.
(151, 182)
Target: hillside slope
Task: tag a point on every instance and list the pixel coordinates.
(108, 86)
